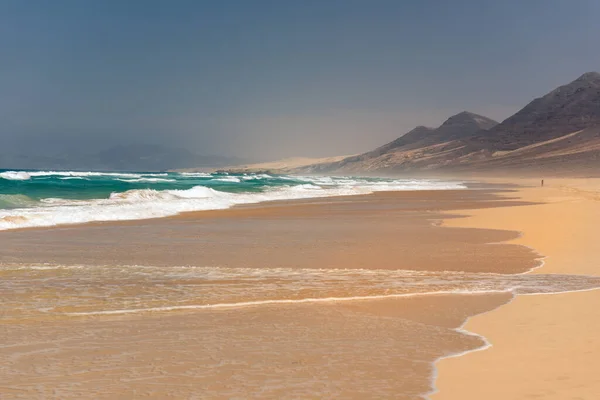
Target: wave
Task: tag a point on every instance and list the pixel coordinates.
(151, 203)
(15, 175)
(8, 201)
(251, 177)
(150, 180)
(94, 174)
(231, 179)
(151, 288)
(196, 174)
(283, 301)
(228, 287)
(26, 175)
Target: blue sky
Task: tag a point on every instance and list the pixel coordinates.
(272, 79)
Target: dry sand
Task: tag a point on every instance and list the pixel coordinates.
(280, 166)
(543, 346)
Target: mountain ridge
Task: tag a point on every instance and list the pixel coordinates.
(564, 110)
(561, 123)
(408, 147)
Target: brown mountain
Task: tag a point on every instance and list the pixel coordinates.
(459, 126)
(565, 110)
(559, 131)
(415, 148)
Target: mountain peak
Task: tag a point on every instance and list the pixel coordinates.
(592, 76)
(415, 135)
(566, 109)
(467, 118)
(420, 129)
(587, 81)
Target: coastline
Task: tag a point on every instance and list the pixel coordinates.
(347, 341)
(554, 349)
(385, 231)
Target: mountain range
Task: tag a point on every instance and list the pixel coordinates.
(559, 132)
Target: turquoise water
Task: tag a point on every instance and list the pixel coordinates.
(47, 198)
(87, 185)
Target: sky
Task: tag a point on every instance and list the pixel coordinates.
(274, 79)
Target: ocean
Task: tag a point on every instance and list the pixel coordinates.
(48, 198)
(349, 297)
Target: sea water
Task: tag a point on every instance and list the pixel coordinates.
(48, 198)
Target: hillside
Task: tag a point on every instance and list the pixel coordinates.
(417, 148)
(567, 109)
(559, 131)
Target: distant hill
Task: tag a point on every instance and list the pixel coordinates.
(557, 132)
(120, 158)
(414, 148)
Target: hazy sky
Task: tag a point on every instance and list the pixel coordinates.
(276, 78)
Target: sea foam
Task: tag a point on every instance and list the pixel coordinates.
(15, 175)
(228, 191)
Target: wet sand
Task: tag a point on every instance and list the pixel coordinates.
(391, 230)
(370, 348)
(543, 346)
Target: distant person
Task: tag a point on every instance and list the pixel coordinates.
(542, 183)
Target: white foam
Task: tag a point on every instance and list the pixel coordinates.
(280, 301)
(26, 175)
(15, 175)
(148, 203)
(138, 180)
(196, 174)
(232, 179)
(251, 177)
(88, 174)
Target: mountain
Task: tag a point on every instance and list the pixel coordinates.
(417, 135)
(459, 126)
(559, 131)
(141, 157)
(567, 109)
(574, 153)
(409, 149)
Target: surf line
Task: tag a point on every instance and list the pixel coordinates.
(286, 301)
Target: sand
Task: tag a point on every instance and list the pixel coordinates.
(380, 348)
(382, 231)
(280, 166)
(543, 346)
(383, 348)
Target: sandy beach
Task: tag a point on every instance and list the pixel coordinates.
(267, 200)
(349, 297)
(543, 346)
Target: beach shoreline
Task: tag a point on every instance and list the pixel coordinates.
(535, 362)
(385, 231)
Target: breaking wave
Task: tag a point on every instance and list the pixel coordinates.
(69, 197)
